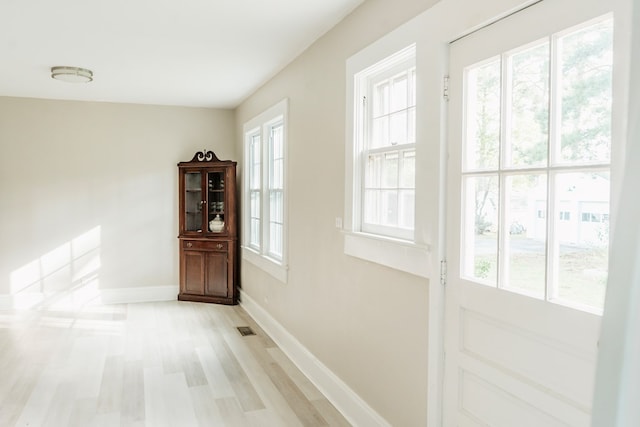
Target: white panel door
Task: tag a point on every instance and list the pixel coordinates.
(530, 140)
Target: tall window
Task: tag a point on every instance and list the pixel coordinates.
(536, 168)
(385, 146)
(264, 187)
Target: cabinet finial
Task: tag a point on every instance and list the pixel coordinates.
(205, 156)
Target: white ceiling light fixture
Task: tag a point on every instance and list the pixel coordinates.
(72, 74)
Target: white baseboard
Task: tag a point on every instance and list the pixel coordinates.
(352, 407)
(70, 300)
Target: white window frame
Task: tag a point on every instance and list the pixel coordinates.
(261, 254)
(365, 80)
(409, 252)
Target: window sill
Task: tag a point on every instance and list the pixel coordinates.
(269, 265)
(398, 254)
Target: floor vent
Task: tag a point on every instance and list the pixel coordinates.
(245, 330)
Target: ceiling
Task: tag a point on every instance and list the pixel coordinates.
(200, 53)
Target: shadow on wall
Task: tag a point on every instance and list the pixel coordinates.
(66, 278)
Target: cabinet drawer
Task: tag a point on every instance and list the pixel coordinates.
(207, 246)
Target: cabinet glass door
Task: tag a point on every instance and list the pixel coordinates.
(215, 197)
(193, 201)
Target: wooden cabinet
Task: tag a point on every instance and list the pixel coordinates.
(208, 229)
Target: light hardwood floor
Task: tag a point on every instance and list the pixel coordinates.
(153, 364)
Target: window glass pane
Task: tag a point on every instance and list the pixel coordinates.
(255, 233)
(277, 141)
(408, 169)
(483, 116)
(586, 62)
(380, 132)
(525, 197)
(277, 175)
(381, 99)
(399, 92)
(275, 207)
(583, 239)
(276, 210)
(373, 175)
(399, 125)
(412, 87)
(389, 214)
(275, 240)
(255, 161)
(480, 219)
(390, 170)
(529, 107)
(254, 223)
(406, 208)
(372, 206)
(276, 160)
(411, 136)
(255, 204)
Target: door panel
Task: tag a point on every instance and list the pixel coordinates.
(513, 355)
(216, 283)
(194, 272)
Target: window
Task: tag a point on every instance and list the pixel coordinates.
(386, 146)
(382, 158)
(265, 192)
(537, 141)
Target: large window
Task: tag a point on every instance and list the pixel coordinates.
(536, 167)
(385, 141)
(264, 189)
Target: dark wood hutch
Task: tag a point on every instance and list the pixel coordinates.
(208, 229)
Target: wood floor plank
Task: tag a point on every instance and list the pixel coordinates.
(191, 366)
(205, 407)
(59, 412)
(304, 410)
(216, 377)
(242, 386)
(254, 364)
(231, 412)
(330, 413)
(133, 398)
(310, 391)
(40, 398)
(110, 396)
(167, 400)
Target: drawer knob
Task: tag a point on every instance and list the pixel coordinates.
(189, 244)
(219, 246)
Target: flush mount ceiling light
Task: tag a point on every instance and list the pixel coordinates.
(72, 74)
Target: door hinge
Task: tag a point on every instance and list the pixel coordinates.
(445, 88)
(443, 272)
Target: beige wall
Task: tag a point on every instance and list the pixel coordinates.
(88, 191)
(365, 322)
